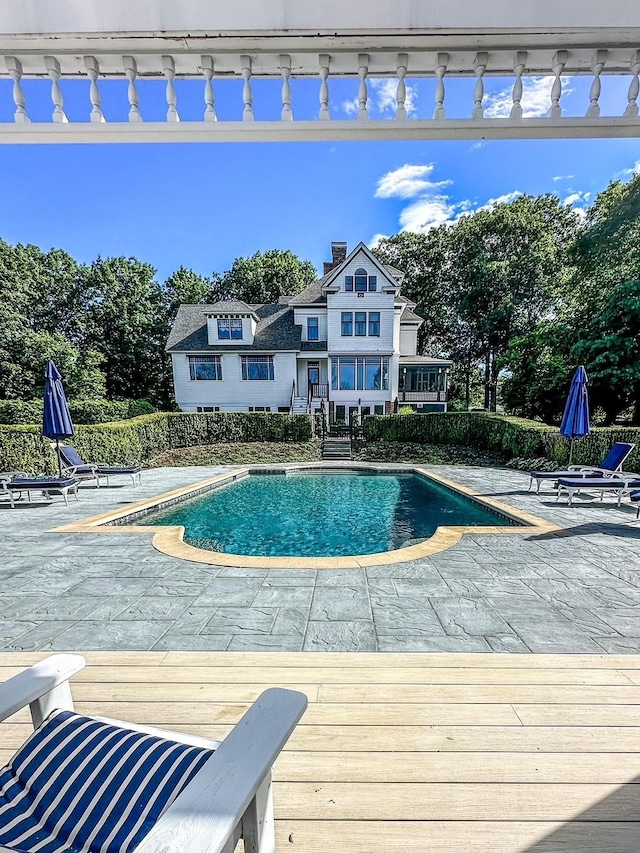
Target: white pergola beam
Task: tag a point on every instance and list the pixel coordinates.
(315, 131)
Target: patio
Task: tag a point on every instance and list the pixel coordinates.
(577, 591)
(436, 752)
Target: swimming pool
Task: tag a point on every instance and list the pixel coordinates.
(323, 514)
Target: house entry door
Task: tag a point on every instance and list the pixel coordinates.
(313, 375)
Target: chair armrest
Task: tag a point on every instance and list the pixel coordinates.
(205, 815)
(34, 684)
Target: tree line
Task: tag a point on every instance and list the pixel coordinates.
(517, 294)
(521, 293)
(106, 324)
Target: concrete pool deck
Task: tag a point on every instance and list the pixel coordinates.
(571, 591)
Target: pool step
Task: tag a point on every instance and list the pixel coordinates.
(336, 448)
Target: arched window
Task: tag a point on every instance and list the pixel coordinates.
(361, 280)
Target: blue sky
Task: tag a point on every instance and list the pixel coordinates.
(202, 205)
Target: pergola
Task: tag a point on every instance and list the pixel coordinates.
(281, 40)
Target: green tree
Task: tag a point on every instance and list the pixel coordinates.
(507, 267)
(539, 367)
(186, 287)
(611, 353)
(264, 277)
(127, 322)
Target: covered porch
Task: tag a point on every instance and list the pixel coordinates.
(423, 382)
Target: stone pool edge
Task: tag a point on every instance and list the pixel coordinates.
(169, 539)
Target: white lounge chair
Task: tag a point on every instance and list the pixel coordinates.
(117, 786)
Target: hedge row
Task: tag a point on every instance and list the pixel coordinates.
(138, 440)
(190, 430)
(82, 411)
(513, 437)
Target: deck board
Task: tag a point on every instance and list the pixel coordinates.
(438, 753)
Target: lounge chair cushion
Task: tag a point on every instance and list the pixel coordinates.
(107, 469)
(43, 483)
(78, 784)
(635, 496)
(599, 483)
(554, 475)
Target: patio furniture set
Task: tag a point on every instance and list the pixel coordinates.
(73, 471)
(606, 477)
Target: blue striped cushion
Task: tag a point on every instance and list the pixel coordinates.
(79, 785)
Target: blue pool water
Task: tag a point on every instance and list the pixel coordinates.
(321, 514)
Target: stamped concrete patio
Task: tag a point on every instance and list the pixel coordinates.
(573, 592)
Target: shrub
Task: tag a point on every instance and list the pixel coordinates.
(512, 437)
(190, 430)
(138, 440)
(82, 411)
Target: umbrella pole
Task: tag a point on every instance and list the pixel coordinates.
(58, 455)
(570, 451)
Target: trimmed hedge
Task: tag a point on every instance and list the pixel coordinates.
(191, 430)
(82, 411)
(512, 437)
(138, 440)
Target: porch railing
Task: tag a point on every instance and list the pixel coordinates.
(422, 396)
(320, 391)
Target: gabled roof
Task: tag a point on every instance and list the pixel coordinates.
(275, 330)
(312, 294)
(230, 306)
(409, 316)
(335, 272)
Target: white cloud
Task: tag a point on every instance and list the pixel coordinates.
(408, 181)
(575, 197)
(562, 178)
(430, 205)
(382, 98)
(536, 98)
(507, 198)
(635, 169)
(426, 213)
(376, 240)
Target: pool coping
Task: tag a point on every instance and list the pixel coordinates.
(169, 539)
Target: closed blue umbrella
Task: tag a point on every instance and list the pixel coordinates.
(575, 421)
(56, 422)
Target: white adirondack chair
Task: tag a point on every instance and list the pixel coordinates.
(229, 798)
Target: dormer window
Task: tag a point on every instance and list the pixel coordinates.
(230, 329)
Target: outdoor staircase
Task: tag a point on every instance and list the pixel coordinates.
(336, 448)
(299, 406)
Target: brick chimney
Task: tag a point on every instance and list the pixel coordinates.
(338, 254)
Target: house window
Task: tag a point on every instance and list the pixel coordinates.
(340, 413)
(378, 410)
(361, 323)
(365, 410)
(373, 282)
(361, 280)
(312, 329)
(347, 323)
(424, 380)
(362, 374)
(208, 408)
(206, 367)
(261, 409)
(348, 282)
(257, 368)
(230, 329)
(374, 324)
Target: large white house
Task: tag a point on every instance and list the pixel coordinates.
(345, 345)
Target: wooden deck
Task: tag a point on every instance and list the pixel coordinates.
(409, 752)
